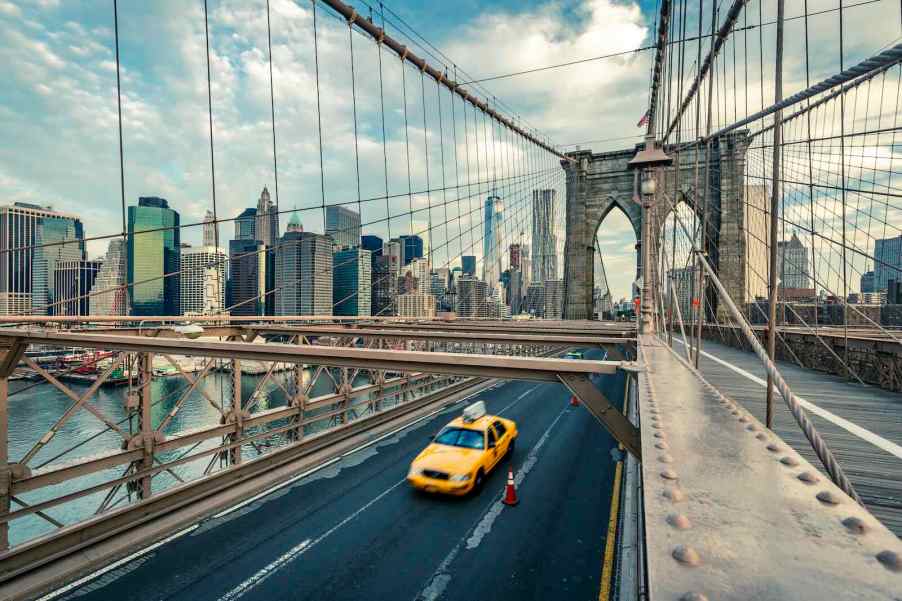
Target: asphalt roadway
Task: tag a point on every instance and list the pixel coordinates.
(356, 530)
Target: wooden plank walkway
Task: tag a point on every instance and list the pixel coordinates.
(875, 473)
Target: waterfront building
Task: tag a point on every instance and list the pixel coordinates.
(154, 258)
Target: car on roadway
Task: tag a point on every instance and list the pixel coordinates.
(463, 453)
(575, 355)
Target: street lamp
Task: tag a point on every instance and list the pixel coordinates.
(648, 161)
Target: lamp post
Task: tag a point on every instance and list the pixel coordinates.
(647, 161)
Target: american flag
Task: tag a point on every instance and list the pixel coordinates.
(643, 120)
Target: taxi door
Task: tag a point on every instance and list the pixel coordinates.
(495, 452)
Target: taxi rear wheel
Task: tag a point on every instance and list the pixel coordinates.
(510, 448)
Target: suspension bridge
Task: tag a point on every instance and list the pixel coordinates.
(237, 419)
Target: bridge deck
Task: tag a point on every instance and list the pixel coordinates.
(732, 513)
(874, 466)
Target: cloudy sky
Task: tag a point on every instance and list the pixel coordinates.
(59, 113)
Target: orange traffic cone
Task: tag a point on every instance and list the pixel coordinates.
(574, 401)
(510, 493)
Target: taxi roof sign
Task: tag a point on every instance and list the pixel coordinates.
(474, 411)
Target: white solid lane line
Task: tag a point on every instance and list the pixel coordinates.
(265, 572)
(851, 427)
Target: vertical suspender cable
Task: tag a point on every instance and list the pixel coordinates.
(121, 153)
(774, 212)
(842, 168)
(319, 119)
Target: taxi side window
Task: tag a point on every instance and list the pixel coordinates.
(499, 427)
(491, 433)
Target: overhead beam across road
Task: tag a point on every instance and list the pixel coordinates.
(455, 364)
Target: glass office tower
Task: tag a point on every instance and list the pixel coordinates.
(153, 251)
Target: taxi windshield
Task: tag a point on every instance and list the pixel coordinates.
(461, 437)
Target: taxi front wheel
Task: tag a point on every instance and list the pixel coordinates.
(478, 481)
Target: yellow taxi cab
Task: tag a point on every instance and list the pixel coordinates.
(463, 452)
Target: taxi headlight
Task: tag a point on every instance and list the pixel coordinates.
(414, 472)
(459, 477)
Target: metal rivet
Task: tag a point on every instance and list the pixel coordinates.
(679, 521)
(659, 435)
(854, 525)
(734, 412)
(686, 555)
(773, 448)
(761, 436)
(743, 419)
(751, 427)
(674, 494)
(669, 475)
(827, 497)
(891, 560)
(809, 478)
(693, 597)
(661, 445)
(657, 426)
(665, 458)
(789, 460)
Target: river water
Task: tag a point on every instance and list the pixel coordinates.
(34, 409)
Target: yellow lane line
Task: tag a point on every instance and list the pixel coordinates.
(607, 566)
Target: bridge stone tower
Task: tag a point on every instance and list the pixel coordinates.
(598, 183)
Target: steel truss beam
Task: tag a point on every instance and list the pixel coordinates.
(455, 364)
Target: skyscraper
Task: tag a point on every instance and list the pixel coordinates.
(411, 248)
(48, 253)
(351, 282)
(544, 243)
(153, 258)
(514, 256)
(468, 264)
(304, 274)
(554, 299)
(372, 244)
(471, 297)
(685, 283)
(20, 229)
(792, 263)
(343, 226)
(203, 280)
(492, 243)
(888, 263)
(267, 227)
(247, 277)
(111, 278)
(210, 226)
(246, 225)
(385, 285)
(867, 282)
(416, 305)
(73, 281)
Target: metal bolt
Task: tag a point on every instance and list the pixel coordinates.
(809, 478)
(761, 436)
(789, 460)
(686, 555)
(659, 435)
(743, 419)
(661, 445)
(891, 560)
(679, 521)
(773, 448)
(855, 525)
(827, 497)
(751, 427)
(657, 426)
(665, 458)
(734, 412)
(674, 494)
(669, 475)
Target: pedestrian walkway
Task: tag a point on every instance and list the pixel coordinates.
(861, 424)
